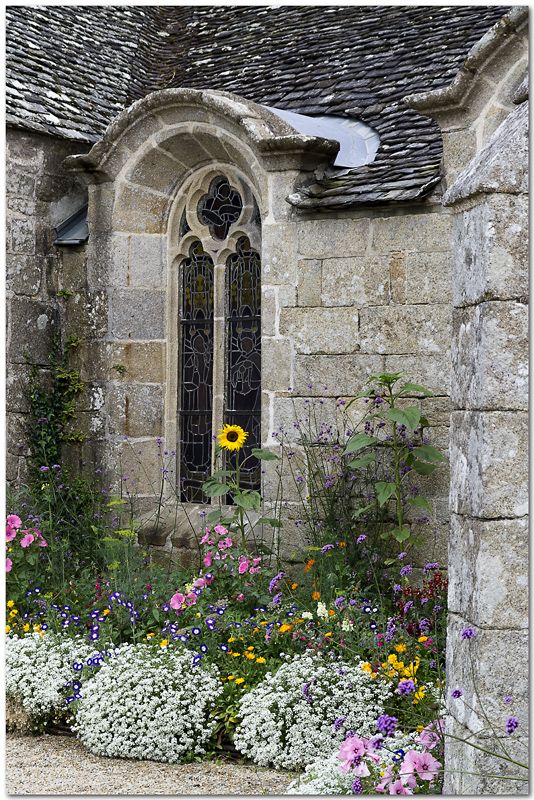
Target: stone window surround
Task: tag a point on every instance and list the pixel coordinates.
(187, 201)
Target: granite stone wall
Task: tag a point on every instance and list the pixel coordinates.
(39, 195)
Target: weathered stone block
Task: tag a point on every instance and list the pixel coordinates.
(488, 571)
(19, 183)
(138, 260)
(329, 238)
(430, 371)
(356, 281)
(140, 463)
(279, 254)
(298, 417)
(276, 364)
(490, 356)
(139, 211)
(137, 314)
(33, 326)
(428, 278)
(87, 315)
(459, 147)
(490, 242)
(321, 330)
(142, 362)
(23, 235)
(397, 277)
(334, 375)
(23, 274)
(135, 409)
(489, 470)
(74, 268)
(437, 410)
(309, 282)
(156, 170)
(405, 329)
(423, 233)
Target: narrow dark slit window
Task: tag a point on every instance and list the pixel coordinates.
(243, 346)
(196, 356)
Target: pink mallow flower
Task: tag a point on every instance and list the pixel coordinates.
(177, 600)
(208, 558)
(220, 530)
(10, 533)
(13, 521)
(240, 597)
(9, 565)
(27, 539)
(190, 599)
(426, 766)
(386, 779)
(206, 538)
(199, 583)
(243, 565)
(352, 746)
(432, 734)
(224, 544)
(42, 542)
(399, 788)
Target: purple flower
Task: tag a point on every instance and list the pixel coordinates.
(376, 742)
(406, 570)
(275, 581)
(424, 625)
(397, 587)
(390, 630)
(406, 686)
(408, 606)
(508, 699)
(469, 633)
(511, 724)
(338, 723)
(329, 481)
(357, 787)
(326, 548)
(386, 724)
(44, 469)
(402, 555)
(338, 602)
(306, 692)
(361, 538)
(456, 693)
(277, 599)
(430, 566)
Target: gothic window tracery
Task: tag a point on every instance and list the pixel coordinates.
(219, 327)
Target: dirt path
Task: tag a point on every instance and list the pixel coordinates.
(60, 765)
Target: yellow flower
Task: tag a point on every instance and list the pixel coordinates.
(328, 634)
(420, 693)
(231, 678)
(106, 611)
(239, 680)
(235, 654)
(231, 639)
(251, 647)
(294, 586)
(26, 627)
(232, 437)
(250, 656)
(13, 613)
(400, 648)
(164, 643)
(36, 628)
(264, 622)
(341, 544)
(366, 667)
(260, 660)
(150, 635)
(316, 595)
(8, 628)
(256, 630)
(285, 627)
(423, 639)
(10, 603)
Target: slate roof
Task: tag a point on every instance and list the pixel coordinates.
(71, 69)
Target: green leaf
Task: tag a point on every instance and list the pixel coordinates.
(214, 516)
(428, 453)
(389, 561)
(401, 534)
(116, 501)
(264, 455)
(359, 511)
(421, 502)
(386, 378)
(156, 614)
(409, 388)
(213, 489)
(423, 468)
(409, 417)
(384, 490)
(220, 473)
(358, 441)
(272, 521)
(247, 500)
(362, 461)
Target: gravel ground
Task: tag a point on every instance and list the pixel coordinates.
(60, 765)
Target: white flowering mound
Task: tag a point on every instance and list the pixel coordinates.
(37, 669)
(148, 703)
(287, 719)
(325, 777)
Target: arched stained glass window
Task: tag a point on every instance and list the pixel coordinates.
(219, 375)
(196, 385)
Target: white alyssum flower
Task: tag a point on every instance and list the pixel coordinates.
(38, 669)
(306, 615)
(322, 610)
(287, 719)
(324, 777)
(148, 703)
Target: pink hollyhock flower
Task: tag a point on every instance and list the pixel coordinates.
(27, 539)
(208, 558)
(252, 570)
(243, 566)
(191, 599)
(352, 746)
(386, 779)
(221, 530)
(199, 583)
(13, 521)
(206, 538)
(10, 533)
(399, 788)
(426, 766)
(432, 734)
(256, 562)
(177, 600)
(42, 542)
(9, 564)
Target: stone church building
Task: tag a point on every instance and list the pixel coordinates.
(238, 209)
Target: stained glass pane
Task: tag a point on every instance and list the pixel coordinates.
(220, 208)
(196, 392)
(243, 326)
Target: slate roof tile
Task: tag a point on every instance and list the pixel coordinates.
(71, 69)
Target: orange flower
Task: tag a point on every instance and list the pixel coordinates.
(331, 612)
(294, 586)
(309, 564)
(341, 544)
(316, 595)
(285, 627)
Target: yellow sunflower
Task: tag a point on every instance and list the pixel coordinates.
(232, 437)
